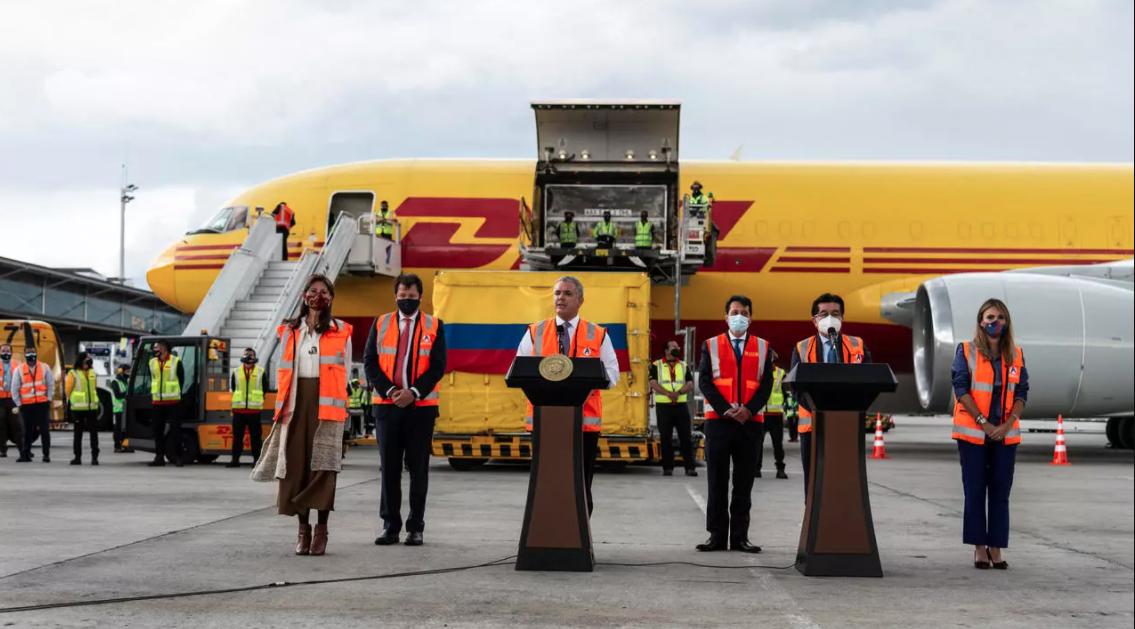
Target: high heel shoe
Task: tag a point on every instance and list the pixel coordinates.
(981, 565)
(997, 565)
(303, 543)
(319, 541)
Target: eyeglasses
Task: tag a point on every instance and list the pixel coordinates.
(837, 315)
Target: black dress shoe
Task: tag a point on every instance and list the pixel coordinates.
(24, 459)
(157, 463)
(745, 547)
(46, 459)
(414, 539)
(386, 539)
(233, 463)
(691, 472)
(76, 461)
(667, 472)
(712, 544)
(781, 474)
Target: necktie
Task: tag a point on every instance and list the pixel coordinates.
(561, 336)
(399, 359)
(737, 348)
(831, 353)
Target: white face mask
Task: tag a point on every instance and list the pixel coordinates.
(828, 323)
(738, 323)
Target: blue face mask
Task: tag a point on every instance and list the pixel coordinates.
(993, 329)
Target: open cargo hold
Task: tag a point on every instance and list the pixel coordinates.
(486, 313)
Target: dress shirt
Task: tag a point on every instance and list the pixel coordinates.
(407, 359)
(606, 350)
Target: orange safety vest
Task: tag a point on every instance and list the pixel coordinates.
(284, 218)
(981, 390)
(852, 353)
(10, 373)
(585, 343)
(332, 370)
(726, 374)
(425, 333)
(33, 389)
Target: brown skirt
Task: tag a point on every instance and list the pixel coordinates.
(302, 489)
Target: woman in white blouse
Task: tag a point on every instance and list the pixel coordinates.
(304, 451)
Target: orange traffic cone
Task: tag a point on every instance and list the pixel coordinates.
(878, 452)
(1060, 455)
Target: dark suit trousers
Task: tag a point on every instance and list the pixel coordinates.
(37, 417)
(727, 441)
(590, 453)
(405, 435)
(806, 459)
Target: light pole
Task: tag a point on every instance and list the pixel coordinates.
(124, 197)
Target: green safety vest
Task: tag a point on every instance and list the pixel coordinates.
(84, 395)
(381, 226)
(677, 383)
(699, 199)
(118, 395)
(164, 386)
(604, 228)
(249, 393)
(776, 398)
(357, 398)
(569, 233)
(644, 235)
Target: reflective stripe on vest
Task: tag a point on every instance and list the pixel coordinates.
(852, 353)
(332, 370)
(419, 348)
(249, 393)
(355, 400)
(84, 390)
(725, 371)
(33, 388)
(776, 398)
(7, 372)
(586, 343)
(382, 226)
(643, 236)
(981, 378)
(569, 233)
(164, 385)
(675, 385)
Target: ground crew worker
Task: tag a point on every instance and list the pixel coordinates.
(167, 376)
(827, 316)
(697, 199)
(383, 227)
(80, 389)
(247, 385)
(736, 376)
(568, 231)
(285, 221)
(605, 232)
(118, 397)
(569, 335)
(32, 389)
(356, 403)
(791, 416)
(405, 360)
(989, 368)
(10, 428)
(773, 414)
(644, 232)
(671, 380)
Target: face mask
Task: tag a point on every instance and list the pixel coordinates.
(318, 302)
(738, 323)
(994, 329)
(5, 356)
(643, 218)
(674, 353)
(249, 360)
(828, 323)
(88, 363)
(568, 219)
(31, 359)
(408, 306)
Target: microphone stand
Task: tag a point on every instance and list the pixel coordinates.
(837, 344)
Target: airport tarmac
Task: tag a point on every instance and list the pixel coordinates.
(74, 534)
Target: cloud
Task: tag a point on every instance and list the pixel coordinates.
(207, 96)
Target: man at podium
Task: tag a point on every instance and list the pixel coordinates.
(827, 316)
(571, 336)
(736, 376)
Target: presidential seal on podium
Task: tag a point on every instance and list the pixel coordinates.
(556, 367)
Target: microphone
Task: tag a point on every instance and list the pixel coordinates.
(836, 343)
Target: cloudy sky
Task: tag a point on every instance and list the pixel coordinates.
(205, 98)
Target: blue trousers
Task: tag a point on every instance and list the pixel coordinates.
(987, 476)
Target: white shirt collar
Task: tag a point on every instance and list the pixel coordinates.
(574, 323)
(413, 317)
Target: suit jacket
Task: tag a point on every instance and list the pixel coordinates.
(714, 397)
(424, 384)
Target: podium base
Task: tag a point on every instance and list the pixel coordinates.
(817, 565)
(556, 559)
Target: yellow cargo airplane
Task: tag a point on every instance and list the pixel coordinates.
(913, 248)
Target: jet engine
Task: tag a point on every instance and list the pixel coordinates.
(1076, 334)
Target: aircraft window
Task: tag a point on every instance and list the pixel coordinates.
(226, 220)
(239, 219)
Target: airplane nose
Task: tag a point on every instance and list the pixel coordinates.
(161, 277)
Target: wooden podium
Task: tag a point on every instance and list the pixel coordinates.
(838, 535)
(557, 528)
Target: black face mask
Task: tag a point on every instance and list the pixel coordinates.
(5, 356)
(249, 360)
(31, 359)
(88, 363)
(674, 353)
(408, 306)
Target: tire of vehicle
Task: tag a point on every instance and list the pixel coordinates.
(1112, 431)
(1126, 438)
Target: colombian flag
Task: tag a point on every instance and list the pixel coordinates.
(491, 347)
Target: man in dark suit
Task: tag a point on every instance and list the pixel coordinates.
(404, 362)
(736, 378)
(827, 316)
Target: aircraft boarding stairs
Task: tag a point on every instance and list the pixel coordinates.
(255, 292)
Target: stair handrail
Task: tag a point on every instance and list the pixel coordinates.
(236, 278)
(338, 247)
(287, 302)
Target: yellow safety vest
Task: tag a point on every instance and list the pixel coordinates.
(249, 393)
(84, 393)
(164, 386)
(776, 398)
(381, 226)
(643, 237)
(674, 385)
(604, 228)
(356, 399)
(569, 233)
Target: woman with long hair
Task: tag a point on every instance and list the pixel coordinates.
(304, 450)
(991, 385)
